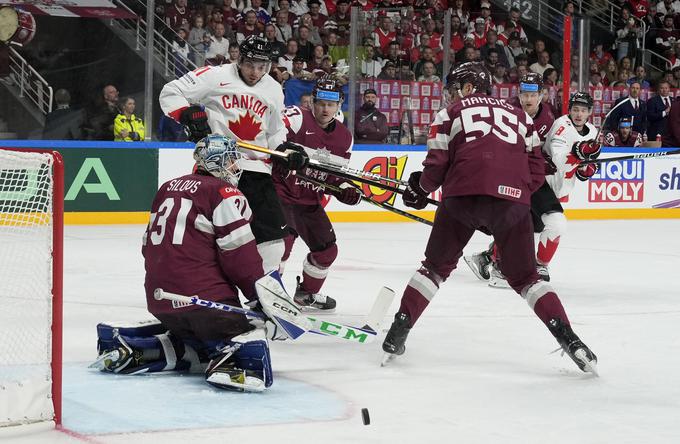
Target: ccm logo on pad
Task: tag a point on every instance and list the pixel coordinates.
(509, 191)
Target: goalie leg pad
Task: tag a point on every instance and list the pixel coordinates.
(143, 348)
(242, 365)
(278, 306)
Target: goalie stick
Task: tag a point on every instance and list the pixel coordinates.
(342, 171)
(362, 335)
(371, 201)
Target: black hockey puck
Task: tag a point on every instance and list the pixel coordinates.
(365, 417)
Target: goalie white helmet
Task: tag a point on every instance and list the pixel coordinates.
(219, 156)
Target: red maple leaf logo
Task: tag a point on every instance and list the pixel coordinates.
(572, 160)
(245, 128)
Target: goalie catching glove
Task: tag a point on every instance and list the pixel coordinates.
(414, 196)
(195, 121)
(586, 150)
(296, 156)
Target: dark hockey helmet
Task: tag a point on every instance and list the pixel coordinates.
(625, 122)
(531, 82)
(327, 88)
(581, 98)
(255, 48)
(474, 73)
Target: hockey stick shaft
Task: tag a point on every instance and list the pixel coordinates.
(632, 156)
(371, 201)
(325, 328)
(604, 121)
(365, 177)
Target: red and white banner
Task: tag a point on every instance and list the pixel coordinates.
(101, 9)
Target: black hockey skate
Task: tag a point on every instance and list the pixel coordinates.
(395, 341)
(312, 301)
(573, 346)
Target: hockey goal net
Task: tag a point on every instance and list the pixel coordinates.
(31, 235)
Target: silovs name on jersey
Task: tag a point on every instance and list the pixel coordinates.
(620, 181)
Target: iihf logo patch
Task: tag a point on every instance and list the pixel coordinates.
(505, 190)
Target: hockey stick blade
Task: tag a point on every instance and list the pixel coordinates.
(324, 328)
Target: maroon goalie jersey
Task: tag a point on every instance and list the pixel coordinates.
(543, 120)
(483, 146)
(199, 242)
(330, 145)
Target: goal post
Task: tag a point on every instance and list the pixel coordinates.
(31, 285)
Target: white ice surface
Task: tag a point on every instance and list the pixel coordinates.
(477, 367)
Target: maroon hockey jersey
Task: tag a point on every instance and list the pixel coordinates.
(483, 146)
(614, 139)
(199, 242)
(329, 146)
(543, 119)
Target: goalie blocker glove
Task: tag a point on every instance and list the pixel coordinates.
(414, 196)
(195, 121)
(586, 171)
(586, 150)
(296, 157)
(348, 194)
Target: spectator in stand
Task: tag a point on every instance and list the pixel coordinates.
(127, 127)
(197, 35)
(63, 122)
(249, 26)
(625, 64)
(218, 51)
(234, 54)
(668, 7)
(550, 77)
(284, 30)
(478, 35)
(514, 50)
(427, 56)
(462, 12)
(611, 72)
(668, 77)
(429, 28)
(622, 79)
(318, 19)
(370, 125)
(640, 77)
(506, 33)
(384, 34)
(335, 50)
(492, 60)
(395, 54)
(389, 72)
(429, 73)
(339, 22)
(100, 118)
(371, 65)
(406, 75)
(215, 18)
(181, 52)
(676, 76)
(539, 47)
(305, 47)
(672, 135)
(542, 64)
(262, 15)
(513, 21)
(468, 53)
(178, 15)
(457, 34)
(624, 135)
(280, 74)
(499, 74)
(277, 48)
(658, 109)
(286, 60)
(627, 36)
(305, 101)
(314, 32)
(299, 72)
(522, 70)
(599, 55)
(485, 13)
(667, 36)
(492, 43)
(317, 58)
(595, 80)
(636, 108)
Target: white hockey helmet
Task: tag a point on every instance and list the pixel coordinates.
(219, 156)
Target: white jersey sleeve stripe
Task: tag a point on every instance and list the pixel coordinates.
(203, 224)
(240, 236)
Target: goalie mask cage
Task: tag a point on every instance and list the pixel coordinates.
(31, 240)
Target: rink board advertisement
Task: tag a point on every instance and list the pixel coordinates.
(111, 182)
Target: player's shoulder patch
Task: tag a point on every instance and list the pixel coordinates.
(229, 191)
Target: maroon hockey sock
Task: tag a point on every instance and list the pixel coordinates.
(315, 268)
(550, 307)
(417, 296)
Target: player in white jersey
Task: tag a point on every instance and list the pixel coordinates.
(570, 141)
(241, 101)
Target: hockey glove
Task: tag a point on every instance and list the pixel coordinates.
(414, 196)
(586, 171)
(586, 150)
(349, 194)
(195, 121)
(296, 156)
(550, 167)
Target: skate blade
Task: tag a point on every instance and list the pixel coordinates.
(470, 263)
(496, 283)
(387, 358)
(589, 366)
(314, 310)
